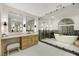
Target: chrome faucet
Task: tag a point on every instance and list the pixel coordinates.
(3, 35)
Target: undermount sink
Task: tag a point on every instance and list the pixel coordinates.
(14, 34)
(4, 35)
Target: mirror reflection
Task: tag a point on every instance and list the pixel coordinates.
(15, 23)
(30, 21)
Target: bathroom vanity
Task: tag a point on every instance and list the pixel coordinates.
(17, 27)
(25, 40)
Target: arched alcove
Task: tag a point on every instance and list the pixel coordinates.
(66, 21)
(66, 26)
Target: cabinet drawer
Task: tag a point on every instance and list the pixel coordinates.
(27, 37)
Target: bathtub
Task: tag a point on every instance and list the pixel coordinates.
(65, 38)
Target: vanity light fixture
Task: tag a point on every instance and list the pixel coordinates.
(24, 25)
(73, 3)
(63, 7)
(35, 26)
(4, 21)
(5, 24)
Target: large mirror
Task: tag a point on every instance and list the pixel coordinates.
(30, 24)
(15, 22)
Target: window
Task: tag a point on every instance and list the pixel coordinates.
(66, 26)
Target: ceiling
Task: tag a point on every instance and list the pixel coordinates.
(38, 9)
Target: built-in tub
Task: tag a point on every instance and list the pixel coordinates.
(66, 38)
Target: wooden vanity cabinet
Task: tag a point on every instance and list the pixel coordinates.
(0, 48)
(35, 39)
(24, 42)
(28, 41)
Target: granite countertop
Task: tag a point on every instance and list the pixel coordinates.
(14, 35)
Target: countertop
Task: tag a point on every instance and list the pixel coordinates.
(14, 35)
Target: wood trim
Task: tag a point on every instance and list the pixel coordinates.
(0, 48)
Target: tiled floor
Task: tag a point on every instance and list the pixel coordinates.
(42, 49)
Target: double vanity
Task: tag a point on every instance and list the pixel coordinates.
(17, 26)
(25, 40)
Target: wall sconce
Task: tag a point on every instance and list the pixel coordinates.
(35, 26)
(63, 7)
(73, 3)
(5, 24)
(24, 25)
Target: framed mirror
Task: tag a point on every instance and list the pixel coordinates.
(15, 22)
(30, 24)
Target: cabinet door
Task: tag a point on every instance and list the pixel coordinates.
(25, 42)
(35, 39)
(29, 41)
